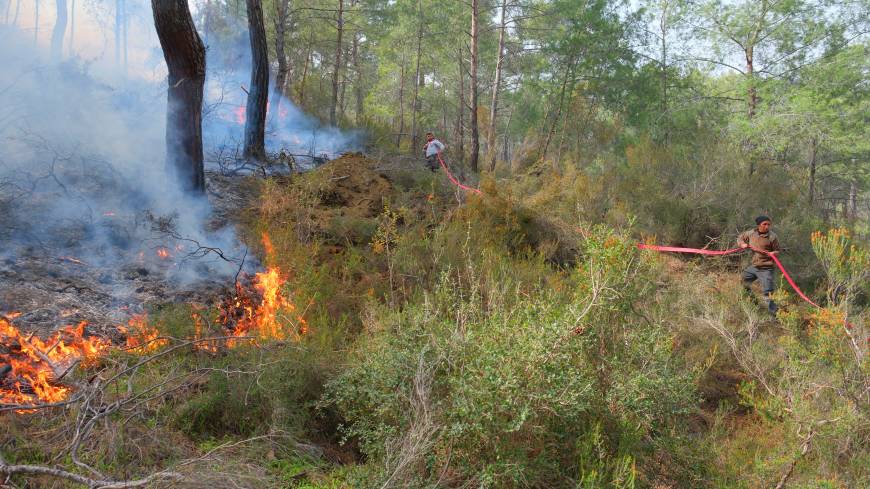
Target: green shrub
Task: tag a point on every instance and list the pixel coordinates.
(547, 390)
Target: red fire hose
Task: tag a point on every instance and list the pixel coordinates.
(728, 252)
(453, 179)
(674, 249)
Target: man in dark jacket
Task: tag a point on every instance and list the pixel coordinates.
(763, 243)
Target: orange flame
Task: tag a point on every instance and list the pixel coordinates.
(142, 338)
(163, 253)
(273, 317)
(36, 364)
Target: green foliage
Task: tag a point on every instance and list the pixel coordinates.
(447, 374)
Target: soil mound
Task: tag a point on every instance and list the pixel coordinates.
(353, 186)
(345, 198)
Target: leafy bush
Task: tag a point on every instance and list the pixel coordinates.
(555, 389)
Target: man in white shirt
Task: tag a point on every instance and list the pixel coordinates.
(432, 149)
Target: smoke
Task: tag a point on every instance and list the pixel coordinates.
(83, 174)
(82, 153)
(288, 129)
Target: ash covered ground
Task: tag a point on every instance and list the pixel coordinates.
(107, 265)
(93, 226)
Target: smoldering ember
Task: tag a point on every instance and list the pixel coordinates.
(416, 244)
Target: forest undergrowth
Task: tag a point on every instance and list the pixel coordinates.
(513, 339)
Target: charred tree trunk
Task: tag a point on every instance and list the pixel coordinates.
(36, 22)
(475, 132)
(336, 73)
(17, 10)
(255, 112)
(280, 39)
(59, 31)
(185, 58)
(492, 151)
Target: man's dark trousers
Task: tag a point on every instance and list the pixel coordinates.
(765, 278)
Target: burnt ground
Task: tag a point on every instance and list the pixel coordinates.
(59, 282)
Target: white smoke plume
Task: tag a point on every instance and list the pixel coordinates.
(82, 153)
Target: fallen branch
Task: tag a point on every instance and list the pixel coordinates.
(10, 470)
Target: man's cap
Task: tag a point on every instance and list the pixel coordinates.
(760, 219)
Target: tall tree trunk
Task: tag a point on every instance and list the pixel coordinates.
(185, 58)
(492, 151)
(255, 112)
(342, 100)
(460, 114)
(444, 124)
(558, 116)
(6, 14)
(416, 107)
(305, 69)
(506, 155)
(59, 30)
(475, 133)
(401, 102)
(358, 83)
(280, 39)
(752, 99)
(336, 73)
(813, 154)
(17, 9)
(562, 133)
(752, 94)
(663, 28)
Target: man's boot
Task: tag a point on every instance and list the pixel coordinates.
(772, 307)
